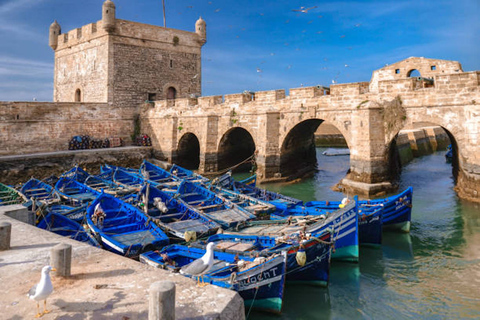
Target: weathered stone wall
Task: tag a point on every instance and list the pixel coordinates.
(428, 68)
(81, 62)
(20, 168)
(123, 66)
(29, 127)
(369, 121)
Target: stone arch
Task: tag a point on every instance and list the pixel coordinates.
(297, 152)
(402, 149)
(235, 146)
(78, 95)
(188, 151)
(413, 73)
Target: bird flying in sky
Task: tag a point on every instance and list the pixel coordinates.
(303, 9)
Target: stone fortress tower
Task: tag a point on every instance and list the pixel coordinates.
(125, 63)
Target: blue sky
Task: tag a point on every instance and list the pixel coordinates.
(254, 45)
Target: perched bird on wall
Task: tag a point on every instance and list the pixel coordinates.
(200, 266)
(42, 290)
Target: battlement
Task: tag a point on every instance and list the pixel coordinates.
(132, 30)
(81, 35)
(349, 88)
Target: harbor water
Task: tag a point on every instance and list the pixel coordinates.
(431, 273)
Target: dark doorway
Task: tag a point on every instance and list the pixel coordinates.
(78, 95)
(188, 152)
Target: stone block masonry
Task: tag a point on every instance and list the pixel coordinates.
(29, 127)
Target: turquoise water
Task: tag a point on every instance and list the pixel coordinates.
(431, 273)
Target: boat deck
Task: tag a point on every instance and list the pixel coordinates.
(143, 236)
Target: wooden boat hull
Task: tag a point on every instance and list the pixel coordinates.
(397, 209)
(180, 220)
(74, 191)
(40, 191)
(125, 230)
(63, 226)
(73, 213)
(370, 227)
(9, 196)
(260, 286)
(314, 270)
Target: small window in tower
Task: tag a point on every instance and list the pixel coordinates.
(152, 97)
(171, 93)
(433, 68)
(78, 95)
(171, 63)
(397, 71)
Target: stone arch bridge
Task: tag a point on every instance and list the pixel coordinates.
(213, 133)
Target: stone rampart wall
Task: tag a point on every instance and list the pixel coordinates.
(29, 127)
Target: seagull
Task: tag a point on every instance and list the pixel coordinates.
(303, 9)
(42, 290)
(200, 266)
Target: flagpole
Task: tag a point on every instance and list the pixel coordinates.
(164, 20)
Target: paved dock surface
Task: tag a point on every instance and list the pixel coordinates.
(103, 285)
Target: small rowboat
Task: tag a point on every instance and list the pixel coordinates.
(189, 175)
(247, 187)
(74, 191)
(211, 205)
(40, 191)
(63, 226)
(159, 176)
(77, 174)
(125, 229)
(128, 179)
(71, 212)
(261, 209)
(9, 196)
(174, 217)
(259, 281)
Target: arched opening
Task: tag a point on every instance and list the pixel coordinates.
(235, 146)
(188, 152)
(420, 140)
(171, 93)
(414, 73)
(298, 152)
(78, 95)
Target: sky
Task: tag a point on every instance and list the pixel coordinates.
(254, 45)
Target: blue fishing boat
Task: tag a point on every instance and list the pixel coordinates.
(125, 229)
(128, 179)
(75, 213)
(397, 209)
(76, 173)
(211, 205)
(449, 154)
(9, 196)
(186, 174)
(308, 260)
(74, 191)
(40, 192)
(370, 222)
(159, 176)
(174, 217)
(247, 187)
(59, 224)
(343, 223)
(259, 281)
